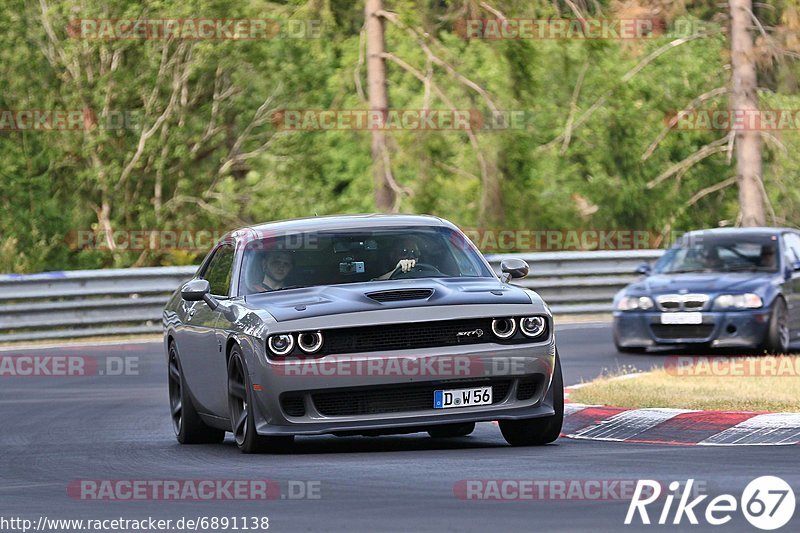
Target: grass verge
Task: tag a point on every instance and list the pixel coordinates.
(763, 383)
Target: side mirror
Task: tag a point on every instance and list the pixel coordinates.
(513, 268)
(644, 269)
(197, 290)
(795, 266)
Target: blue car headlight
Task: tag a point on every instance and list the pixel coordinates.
(634, 303)
(738, 301)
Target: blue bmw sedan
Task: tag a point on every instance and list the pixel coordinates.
(721, 288)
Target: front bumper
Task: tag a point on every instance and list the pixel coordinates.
(719, 329)
(440, 368)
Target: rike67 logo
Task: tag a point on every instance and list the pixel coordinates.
(767, 503)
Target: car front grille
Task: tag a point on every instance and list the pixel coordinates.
(526, 389)
(293, 404)
(682, 302)
(682, 331)
(397, 398)
(410, 336)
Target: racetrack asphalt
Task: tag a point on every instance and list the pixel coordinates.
(57, 431)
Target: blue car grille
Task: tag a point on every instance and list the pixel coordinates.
(682, 331)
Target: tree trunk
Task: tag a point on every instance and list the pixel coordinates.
(491, 213)
(378, 101)
(744, 99)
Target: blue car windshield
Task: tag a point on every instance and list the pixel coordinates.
(705, 253)
(334, 257)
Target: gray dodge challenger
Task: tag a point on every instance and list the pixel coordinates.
(358, 325)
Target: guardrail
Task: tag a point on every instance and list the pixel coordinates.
(83, 303)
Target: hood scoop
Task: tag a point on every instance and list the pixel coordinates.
(399, 295)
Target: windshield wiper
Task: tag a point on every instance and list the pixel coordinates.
(286, 288)
(746, 268)
(686, 271)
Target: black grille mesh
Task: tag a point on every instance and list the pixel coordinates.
(293, 405)
(406, 336)
(395, 399)
(526, 389)
(682, 331)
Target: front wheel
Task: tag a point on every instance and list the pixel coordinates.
(240, 403)
(629, 349)
(776, 339)
(538, 431)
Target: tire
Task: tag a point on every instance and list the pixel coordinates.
(188, 427)
(539, 431)
(629, 349)
(240, 402)
(449, 431)
(776, 339)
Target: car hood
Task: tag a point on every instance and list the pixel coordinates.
(702, 282)
(309, 302)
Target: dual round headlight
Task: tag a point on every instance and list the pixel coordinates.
(530, 326)
(283, 343)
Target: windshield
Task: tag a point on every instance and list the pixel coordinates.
(355, 256)
(721, 254)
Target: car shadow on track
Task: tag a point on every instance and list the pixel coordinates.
(384, 443)
(705, 351)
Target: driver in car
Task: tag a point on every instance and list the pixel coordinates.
(276, 267)
(406, 254)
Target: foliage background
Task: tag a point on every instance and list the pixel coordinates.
(215, 160)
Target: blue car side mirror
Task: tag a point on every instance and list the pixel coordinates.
(643, 269)
(795, 266)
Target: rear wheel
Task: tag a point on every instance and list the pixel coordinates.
(189, 428)
(449, 431)
(538, 431)
(776, 339)
(240, 402)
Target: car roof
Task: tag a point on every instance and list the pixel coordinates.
(734, 232)
(334, 222)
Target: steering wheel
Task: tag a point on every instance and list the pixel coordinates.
(419, 267)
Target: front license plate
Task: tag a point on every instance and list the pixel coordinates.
(445, 399)
(681, 318)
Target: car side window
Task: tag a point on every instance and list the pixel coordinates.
(792, 243)
(219, 270)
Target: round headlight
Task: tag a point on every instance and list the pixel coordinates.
(532, 326)
(738, 301)
(504, 327)
(632, 303)
(281, 344)
(310, 341)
